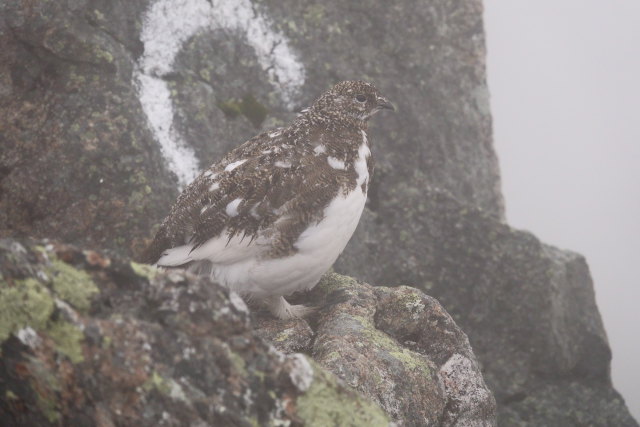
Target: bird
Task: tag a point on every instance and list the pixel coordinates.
(274, 214)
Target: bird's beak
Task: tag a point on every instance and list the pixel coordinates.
(384, 104)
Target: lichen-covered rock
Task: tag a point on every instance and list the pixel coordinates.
(93, 340)
(397, 346)
(77, 160)
(528, 308)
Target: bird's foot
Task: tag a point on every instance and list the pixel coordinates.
(281, 309)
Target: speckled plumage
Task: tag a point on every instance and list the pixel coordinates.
(267, 210)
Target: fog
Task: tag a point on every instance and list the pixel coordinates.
(564, 81)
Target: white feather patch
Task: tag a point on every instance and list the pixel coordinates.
(232, 166)
(232, 208)
(336, 163)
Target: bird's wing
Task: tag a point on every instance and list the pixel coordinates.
(260, 194)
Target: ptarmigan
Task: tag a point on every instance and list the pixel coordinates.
(273, 216)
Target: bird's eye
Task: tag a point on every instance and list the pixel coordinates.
(361, 98)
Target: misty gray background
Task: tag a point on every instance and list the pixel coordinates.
(565, 98)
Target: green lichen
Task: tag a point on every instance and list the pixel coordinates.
(68, 340)
(410, 360)
(231, 108)
(24, 303)
(253, 110)
(99, 15)
(144, 270)
(157, 382)
(10, 395)
(46, 386)
(331, 282)
(104, 54)
(205, 74)
(249, 107)
(284, 335)
(314, 14)
(72, 285)
(238, 363)
(106, 341)
(326, 403)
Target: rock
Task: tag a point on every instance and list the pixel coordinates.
(398, 347)
(88, 339)
(77, 160)
(529, 309)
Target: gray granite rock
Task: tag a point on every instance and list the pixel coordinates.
(528, 308)
(87, 340)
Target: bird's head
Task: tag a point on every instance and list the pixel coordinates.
(354, 98)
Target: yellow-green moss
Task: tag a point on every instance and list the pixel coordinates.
(238, 363)
(331, 282)
(68, 339)
(314, 14)
(144, 270)
(249, 107)
(284, 335)
(72, 285)
(410, 360)
(25, 303)
(326, 403)
(230, 107)
(46, 386)
(157, 382)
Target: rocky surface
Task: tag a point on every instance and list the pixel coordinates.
(397, 346)
(529, 309)
(93, 340)
(107, 107)
(76, 159)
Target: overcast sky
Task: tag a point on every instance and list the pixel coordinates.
(565, 95)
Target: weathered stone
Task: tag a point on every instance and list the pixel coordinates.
(288, 336)
(528, 308)
(145, 348)
(400, 348)
(77, 160)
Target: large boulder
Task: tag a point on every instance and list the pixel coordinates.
(88, 339)
(528, 308)
(397, 346)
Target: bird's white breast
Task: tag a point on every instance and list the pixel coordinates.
(318, 246)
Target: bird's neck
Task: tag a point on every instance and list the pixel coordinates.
(333, 120)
